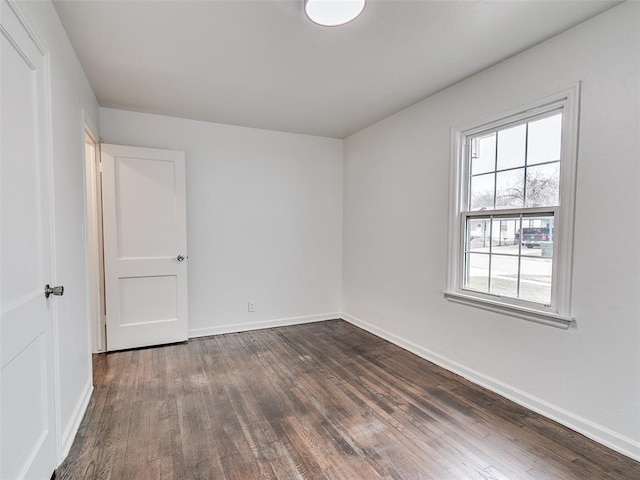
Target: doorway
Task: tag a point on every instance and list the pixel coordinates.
(136, 245)
(95, 245)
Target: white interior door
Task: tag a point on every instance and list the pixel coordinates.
(27, 418)
(145, 242)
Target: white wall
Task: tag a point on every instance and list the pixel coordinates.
(72, 102)
(396, 196)
(264, 219)
(265, 224)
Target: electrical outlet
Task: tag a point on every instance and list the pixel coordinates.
(251, 306)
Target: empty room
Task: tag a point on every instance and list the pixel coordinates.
(320, 239)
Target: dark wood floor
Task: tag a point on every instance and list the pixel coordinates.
(318, 401)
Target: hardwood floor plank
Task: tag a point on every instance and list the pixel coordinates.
(317, 401)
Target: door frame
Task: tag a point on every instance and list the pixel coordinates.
(94, 238)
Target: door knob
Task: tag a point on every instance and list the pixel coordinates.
(57, 291)
(181, 257)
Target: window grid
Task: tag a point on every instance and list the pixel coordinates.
(495, 171)
(520, 219)
(526, 163)
(491, 215)
(516, 168)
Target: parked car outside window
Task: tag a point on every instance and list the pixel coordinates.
(532, 236)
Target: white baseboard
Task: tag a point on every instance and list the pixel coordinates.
(69, 434)
(620, 443)
(244, 327)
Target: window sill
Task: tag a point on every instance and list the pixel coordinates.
(545, 318)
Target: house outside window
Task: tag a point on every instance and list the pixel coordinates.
(511, 225)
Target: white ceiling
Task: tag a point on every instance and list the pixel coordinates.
(263, 64)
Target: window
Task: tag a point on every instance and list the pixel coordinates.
(511, 230)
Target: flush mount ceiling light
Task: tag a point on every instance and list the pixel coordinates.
(331, 13)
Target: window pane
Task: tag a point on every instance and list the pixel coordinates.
(511, 147)
(543, 184)
(504, 233)
(482, 191)
(536, 261)
(504, 275)
(477, 274)
(483, 154)
(478, 234)
(535, 279)
(510, 188)
(537, 232)
(544, 140)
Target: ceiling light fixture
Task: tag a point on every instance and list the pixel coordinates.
(331, 13)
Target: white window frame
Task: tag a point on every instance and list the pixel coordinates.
(558, 312)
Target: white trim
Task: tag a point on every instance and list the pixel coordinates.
(94, 251)
(568, 172)
(89, 127)
(620, 443)
(244, 327)
(568, 100)
(69, 435)
(528, 108)
(57, 374)
(29, 25)
(532, 314)
(510, 212)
